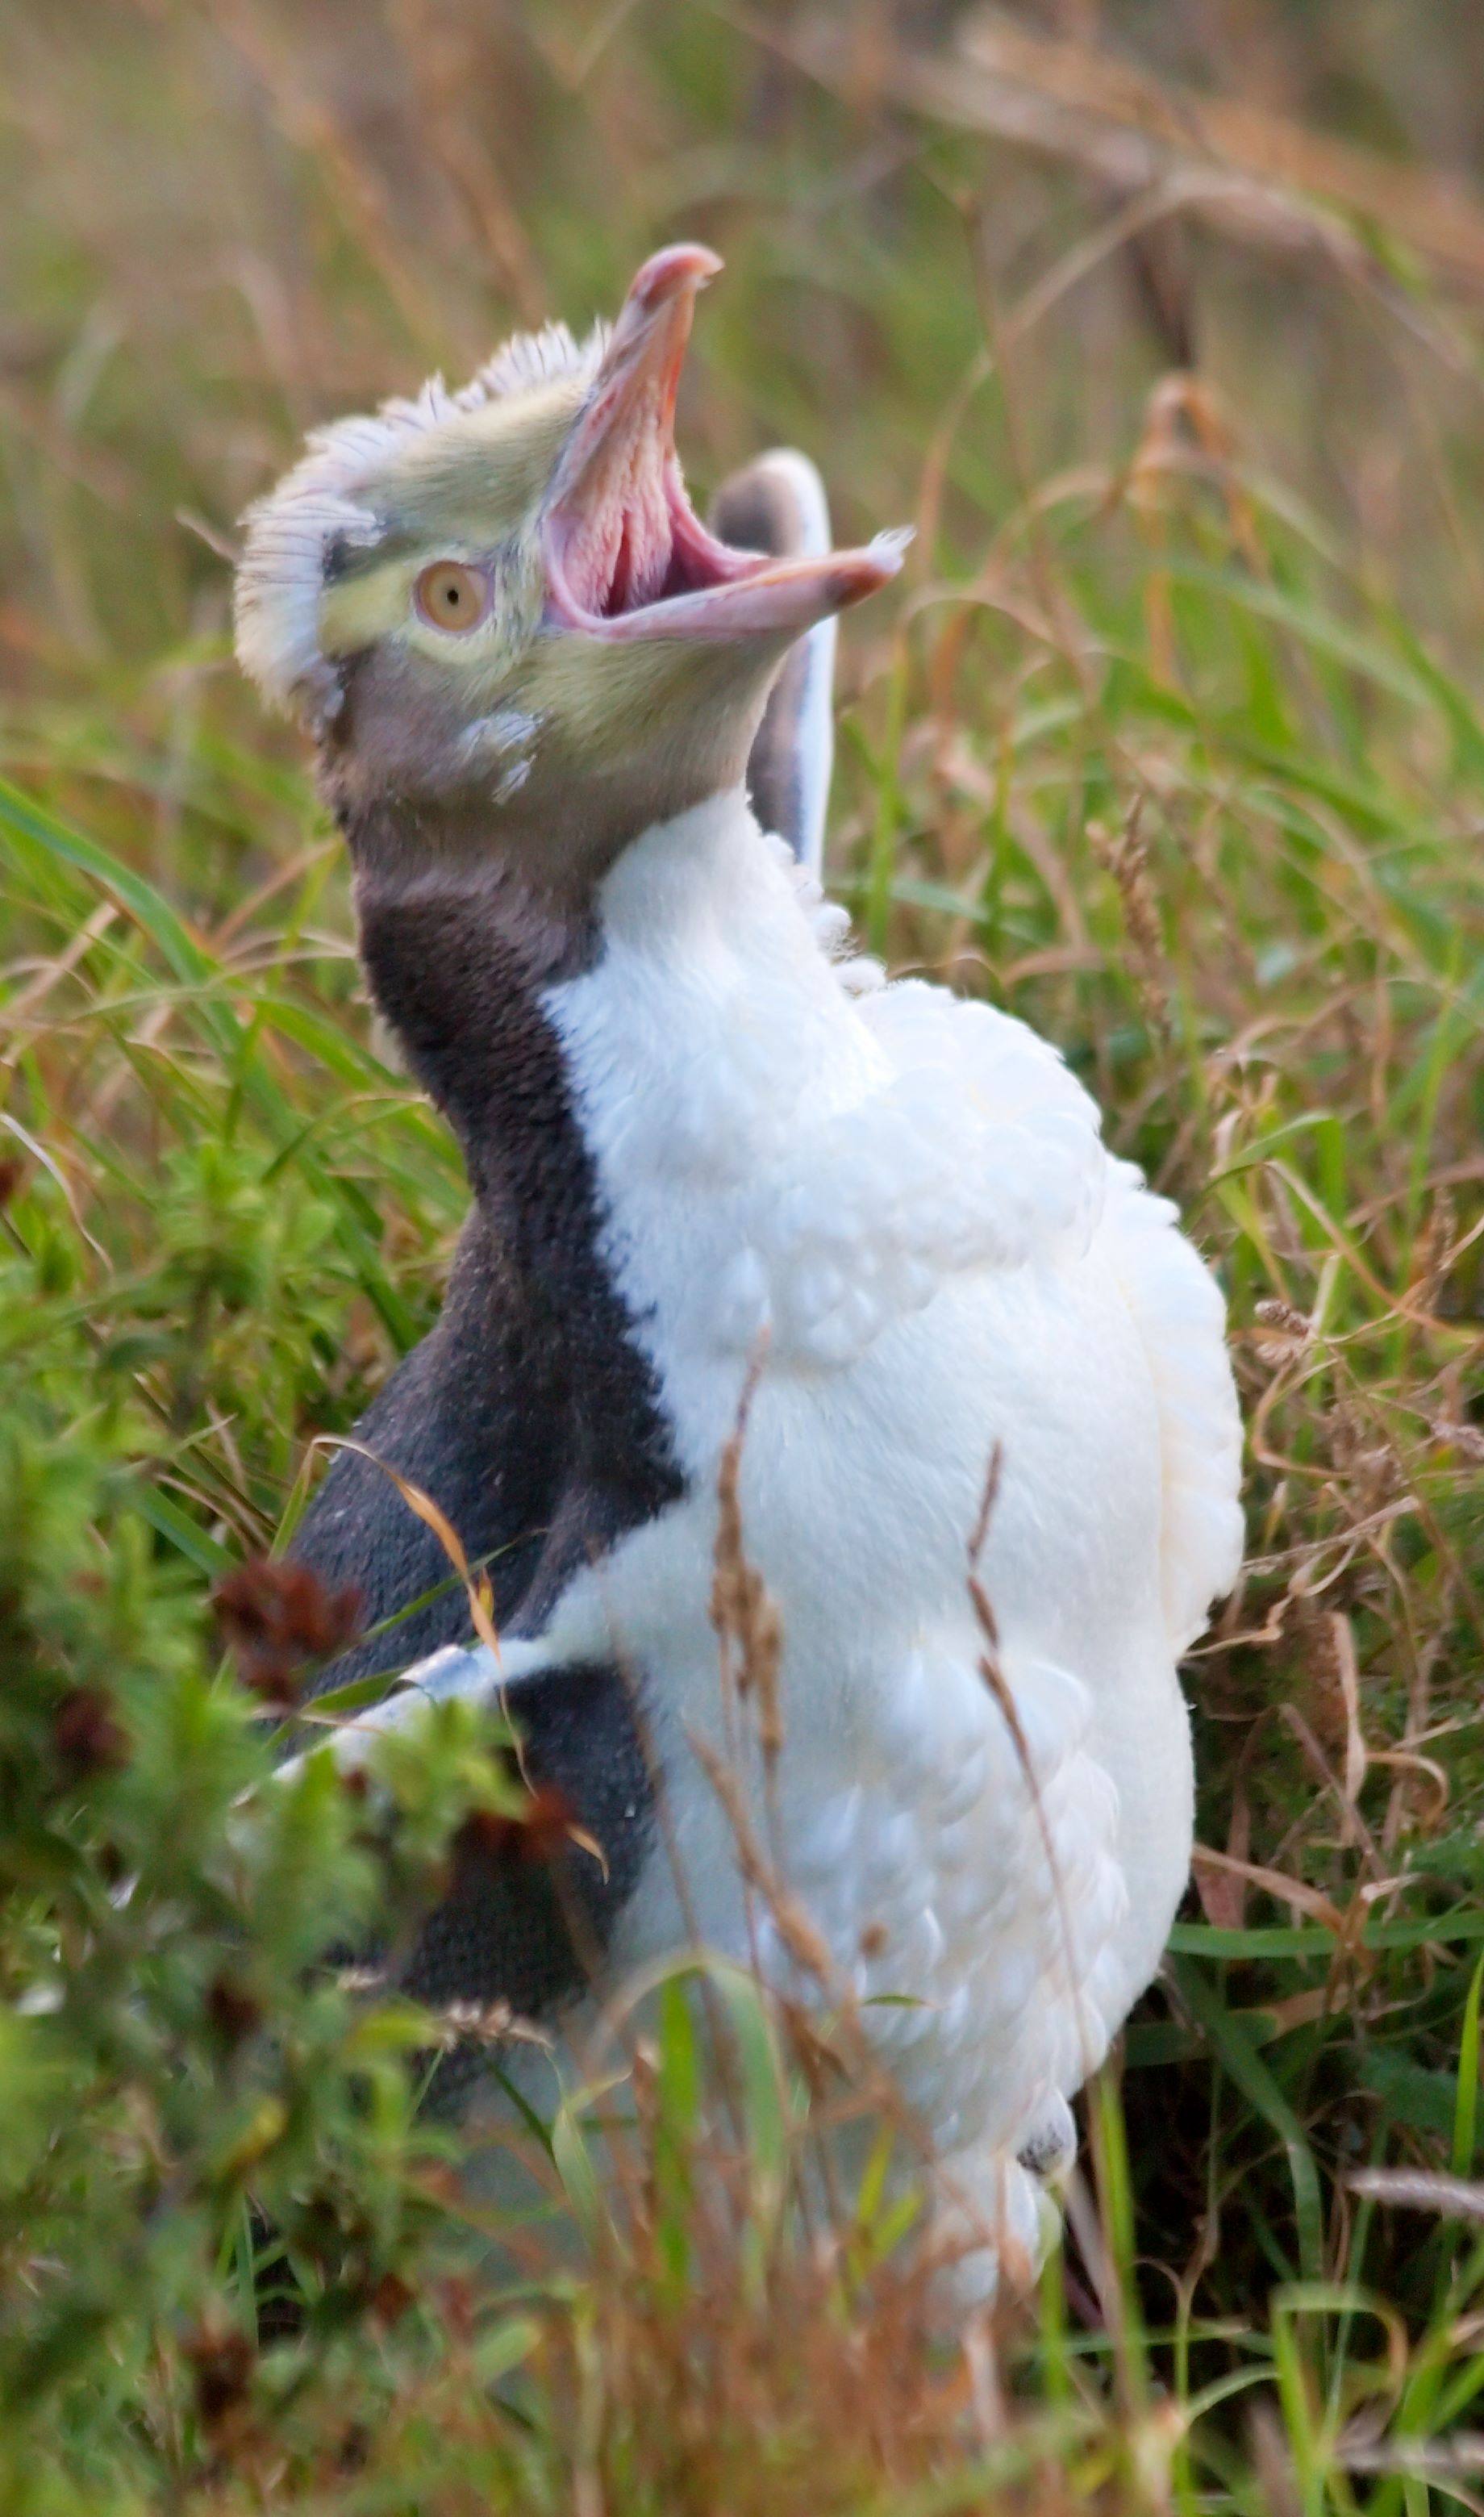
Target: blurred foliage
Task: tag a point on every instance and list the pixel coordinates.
(202, 2122)
(1175, 744)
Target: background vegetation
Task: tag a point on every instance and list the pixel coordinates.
(1166, 327)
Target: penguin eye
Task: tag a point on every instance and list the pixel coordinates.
(451, 596)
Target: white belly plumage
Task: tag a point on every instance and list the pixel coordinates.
(996, 1922)
(895, 1206)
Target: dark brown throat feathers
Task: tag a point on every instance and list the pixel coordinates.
(457, 963)
(531, 1413)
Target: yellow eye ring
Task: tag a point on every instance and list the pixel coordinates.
(451, 597)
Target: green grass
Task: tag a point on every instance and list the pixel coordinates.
(1174, 743)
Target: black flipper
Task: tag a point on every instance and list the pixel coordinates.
(777, 505)
(526, 1920)
(526, 1924)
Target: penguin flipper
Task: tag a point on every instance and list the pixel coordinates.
(526, 1919)
(777, 504)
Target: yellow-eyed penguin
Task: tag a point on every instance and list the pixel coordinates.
(706, 1142)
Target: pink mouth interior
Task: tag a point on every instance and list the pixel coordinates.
(626, 555)
(641, 543)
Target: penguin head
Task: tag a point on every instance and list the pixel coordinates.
(499, 615)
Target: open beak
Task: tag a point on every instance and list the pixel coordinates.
(626, 555)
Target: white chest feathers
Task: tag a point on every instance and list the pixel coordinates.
(830, 1145)
(897, 1207)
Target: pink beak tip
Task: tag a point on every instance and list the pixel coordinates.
(865, 571)
(675, 270)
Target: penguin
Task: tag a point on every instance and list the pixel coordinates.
(578, 742)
